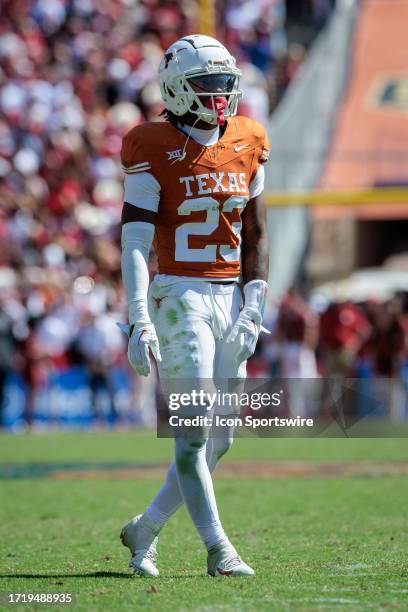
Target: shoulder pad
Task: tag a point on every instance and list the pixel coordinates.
(137, 148)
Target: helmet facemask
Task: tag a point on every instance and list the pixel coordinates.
(210, 95)
(213, 97)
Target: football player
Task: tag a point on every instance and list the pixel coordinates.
(192, 190)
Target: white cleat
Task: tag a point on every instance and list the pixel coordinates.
(144, 557)
(226, 562)
(144, 565)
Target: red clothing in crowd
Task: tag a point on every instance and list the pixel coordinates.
(343, 326)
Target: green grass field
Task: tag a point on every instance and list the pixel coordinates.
(318, 542)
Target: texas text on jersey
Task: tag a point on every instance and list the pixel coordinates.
(202, 194)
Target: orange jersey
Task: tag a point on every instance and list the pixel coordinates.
(202, 195)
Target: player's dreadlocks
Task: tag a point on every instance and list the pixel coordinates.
(171, 117)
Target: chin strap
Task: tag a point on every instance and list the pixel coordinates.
(183, 154)
(217, 104)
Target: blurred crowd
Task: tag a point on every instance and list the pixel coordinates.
(75, 75)
(354, 351)
(352, 340)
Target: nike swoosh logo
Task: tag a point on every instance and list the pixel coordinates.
(238, 148)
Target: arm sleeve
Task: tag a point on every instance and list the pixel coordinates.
(142, 190)
(137, 238)
(257, 184)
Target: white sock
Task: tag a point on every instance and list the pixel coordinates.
(197, 489)
(169, 498)
(147, 531)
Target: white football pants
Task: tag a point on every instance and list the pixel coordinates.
(192, 321)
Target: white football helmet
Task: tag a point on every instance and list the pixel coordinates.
(199, 75)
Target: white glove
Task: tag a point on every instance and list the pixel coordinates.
(141, 338)
(249, 322)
